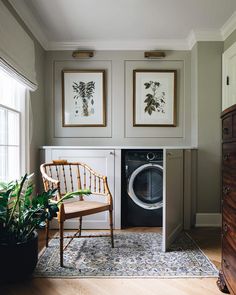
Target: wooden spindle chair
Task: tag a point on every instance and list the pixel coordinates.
(71, 176)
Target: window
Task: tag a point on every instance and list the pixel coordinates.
(12, 128)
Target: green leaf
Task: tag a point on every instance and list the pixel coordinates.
(70, 195)
(147, 85)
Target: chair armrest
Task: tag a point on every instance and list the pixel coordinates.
(47, 180)
(45, 176)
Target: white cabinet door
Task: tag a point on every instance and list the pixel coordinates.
(101, 161)
(172, 196)
(229, 77)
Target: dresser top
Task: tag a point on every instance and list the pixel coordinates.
(228, 110)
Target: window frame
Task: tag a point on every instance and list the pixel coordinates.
(24, 147)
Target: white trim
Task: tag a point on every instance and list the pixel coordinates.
(81, 147)
(191, 39)
(117, 194)
(208, 219)
(146, 44)
(229, 26)
(213, 35)
(196, 36)
(27, 132)
(24, 135)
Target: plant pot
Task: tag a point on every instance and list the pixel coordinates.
(18, 261)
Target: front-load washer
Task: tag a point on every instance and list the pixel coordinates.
(142, 188)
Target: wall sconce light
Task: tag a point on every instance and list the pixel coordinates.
(83, 54)
(154, 54)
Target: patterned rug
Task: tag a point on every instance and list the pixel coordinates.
(135, 255)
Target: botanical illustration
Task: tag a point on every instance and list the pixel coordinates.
(84, 94)
(155, 100)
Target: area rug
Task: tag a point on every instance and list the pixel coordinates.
(134, 255)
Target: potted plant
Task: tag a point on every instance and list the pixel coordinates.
(20, 215)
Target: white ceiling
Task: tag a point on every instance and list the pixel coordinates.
(120, 24)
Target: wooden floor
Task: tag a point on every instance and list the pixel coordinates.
(208, 239)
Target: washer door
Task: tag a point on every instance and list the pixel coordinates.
(145, 186)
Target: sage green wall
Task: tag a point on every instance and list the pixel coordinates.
(119, 66)
(37, 111)
(209, 125)
(230, 40)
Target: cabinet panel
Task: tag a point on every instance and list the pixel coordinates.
(102, 161)
(172, 196)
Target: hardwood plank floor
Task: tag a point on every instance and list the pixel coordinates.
(207, 238)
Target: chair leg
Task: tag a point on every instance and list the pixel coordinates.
(80, 226)
(111, 228)
(47, 233)
(61, 229)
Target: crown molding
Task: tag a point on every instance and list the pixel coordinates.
(197, 36)
(191, 40)
(27, 17)
(147, 44)
(229, 26)
(213, 35)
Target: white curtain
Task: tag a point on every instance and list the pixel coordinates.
(17, 52)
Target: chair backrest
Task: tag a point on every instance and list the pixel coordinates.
(71, 176)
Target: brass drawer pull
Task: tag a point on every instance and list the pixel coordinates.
(226, 190)
(226, 156)
(225, 228)
(226, 130)
(225, 263)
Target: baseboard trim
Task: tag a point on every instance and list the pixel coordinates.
(208, 219)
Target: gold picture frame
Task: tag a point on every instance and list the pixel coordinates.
(154, 98)
(83, 98)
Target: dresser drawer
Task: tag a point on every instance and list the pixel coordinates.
(227, 128)
(229, 263)
(229, 225)
(229, 155)
(229, 187)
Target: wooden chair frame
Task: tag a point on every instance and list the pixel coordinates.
(98, 187)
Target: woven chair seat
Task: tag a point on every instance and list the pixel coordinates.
(82, 208)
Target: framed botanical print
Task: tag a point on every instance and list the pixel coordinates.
(154, 98)
(83, 98)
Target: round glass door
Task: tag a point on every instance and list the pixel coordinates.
(146, 186)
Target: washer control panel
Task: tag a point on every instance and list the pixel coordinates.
(151, 156)
(145, 156)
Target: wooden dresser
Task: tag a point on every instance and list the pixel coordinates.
(227, 277)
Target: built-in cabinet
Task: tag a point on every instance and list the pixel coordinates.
(107, 161)
(102, 161)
